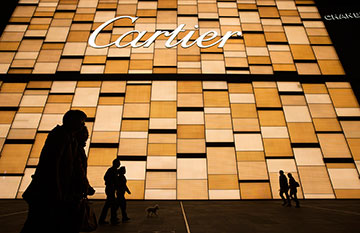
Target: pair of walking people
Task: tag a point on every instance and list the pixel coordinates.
(285, 187)
(115, 188)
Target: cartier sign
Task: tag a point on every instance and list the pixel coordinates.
(170, 43)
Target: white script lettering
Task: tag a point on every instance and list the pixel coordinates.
(184, 42)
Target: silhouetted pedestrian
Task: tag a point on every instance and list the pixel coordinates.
(293, 189)
(52, 195)
(110, 183)
(82, 182)
(284, 188)
(121, 188)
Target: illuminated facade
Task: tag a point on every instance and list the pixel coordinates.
(188, 123)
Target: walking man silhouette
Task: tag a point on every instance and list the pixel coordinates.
(121, 188)
(293, 189)
(110, 183)
(284, 188)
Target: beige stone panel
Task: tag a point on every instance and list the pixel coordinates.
(308, 157)
(26, 179)
(163, 109)
(136, 147)
(113, 87)
(251, 170)
(160, 180)
(162, 123)
(344, 178)
(249, 17)
(334, 146)
(224, 194)
(216, 99)
(105, 137)
(318, 98)
(351, 128)
(292, 100)
(190, 100)
(159, 194)
(287, 165)
(86, 97)
(57, 34)
(138, 94)
(271, 118)
(215, 85)
(4, 130)
(267, 97)
(63, 87)
(13, 158)
(192, 189)
(213, 67)
(49, 121)
(56, 108)
(26, 120)
(343, 98)
(12, 184)
(218, 135)
(162, 138)
(191, 131)
(347, 112)
(274, 132)
(163, 91)
(277, 147)
(223, 182)
(325, 52)
(192, 118)
(108, 118)
(135, 170)
(137, 188)
(248, 142)
(135, 125)
(218, 121)
(191, 169)
(296, 35)
(191, 146)
(10, 99)
(38, 145)
(162, 149)
(161, 162)
(136, 110)
(297, 114)
(221, 160)
(255, 191)
(246, 125)
(302, 133)
(326, 124)
(315, 180)
(165, 57)
(74, 49)
(322, 110)
(22, 134)
(101, 156)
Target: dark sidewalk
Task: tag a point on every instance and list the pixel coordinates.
(328, 216)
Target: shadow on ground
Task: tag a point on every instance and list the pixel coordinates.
(330, 216)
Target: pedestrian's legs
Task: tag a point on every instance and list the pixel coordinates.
(288, 198)
(282, 196)
(122, 203)
(114, 208)
(296, 199)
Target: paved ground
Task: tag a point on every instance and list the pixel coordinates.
(328, 216)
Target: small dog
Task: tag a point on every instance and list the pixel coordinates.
(151, 211)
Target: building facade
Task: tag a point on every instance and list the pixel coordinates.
(203, 122)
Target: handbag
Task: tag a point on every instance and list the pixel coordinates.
(88, 221)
